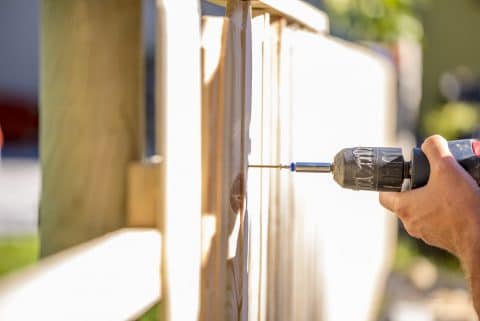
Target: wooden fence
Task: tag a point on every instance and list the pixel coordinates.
(265, 84)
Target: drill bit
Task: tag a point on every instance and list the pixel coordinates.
(300, 167)
(270, 166)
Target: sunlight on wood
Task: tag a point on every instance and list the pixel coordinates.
(114, 277)
(91, 125)
(348, 103)
(215, 164)
(178, 130)
(143, 181)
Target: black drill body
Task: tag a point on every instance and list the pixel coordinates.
(385, 169)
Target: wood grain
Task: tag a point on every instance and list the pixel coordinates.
(238, 93)
(215, 186)
(91, 122)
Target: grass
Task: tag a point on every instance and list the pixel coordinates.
(409, 249)
(153, 314)
(17, 252)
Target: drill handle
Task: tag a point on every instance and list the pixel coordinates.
(465, 151)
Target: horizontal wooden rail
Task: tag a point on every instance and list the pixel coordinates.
(114, 277)
(295, 11)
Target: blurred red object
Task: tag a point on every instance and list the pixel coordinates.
(1, 139)
(18, 118)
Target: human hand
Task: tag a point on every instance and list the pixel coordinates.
(446, 212)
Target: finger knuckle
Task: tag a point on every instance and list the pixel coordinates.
(400, 209)
(413, 230)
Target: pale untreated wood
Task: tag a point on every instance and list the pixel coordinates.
(257, 185)
(236, 144)
(296, 11)
(114, 277)
(215, 187)
(335, 228)
(178, 132)
(283, 155)
(91, 99)
(275, 277)
(142, 196)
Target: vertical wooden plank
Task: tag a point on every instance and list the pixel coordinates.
(268, 109)
(91, 99)
(214, 191)
(226, 118)
(283, 132)
(256, 184)
(357, 83)
(297, 230)
(271, 140)
(238, 92)
(178, 103)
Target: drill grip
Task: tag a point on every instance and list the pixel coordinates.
(464, 151)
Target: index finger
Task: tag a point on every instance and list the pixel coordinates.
(400, 203)
(389, 200)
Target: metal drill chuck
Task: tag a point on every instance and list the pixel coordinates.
(370, 168)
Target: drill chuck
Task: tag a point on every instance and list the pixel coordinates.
(370, 168)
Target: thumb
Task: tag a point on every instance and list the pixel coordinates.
(436, 148)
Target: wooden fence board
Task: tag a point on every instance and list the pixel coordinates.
(178, 103)
(256, 183)
(91, 124)
(113, 277)
(238, 92)
(215, 41)
(341, 228)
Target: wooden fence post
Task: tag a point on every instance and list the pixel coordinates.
(91, 80)
(178, 130)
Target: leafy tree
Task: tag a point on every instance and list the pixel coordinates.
(376, 20)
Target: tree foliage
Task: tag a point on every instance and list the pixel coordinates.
(376, 20)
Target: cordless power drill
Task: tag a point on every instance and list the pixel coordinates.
(384, 168)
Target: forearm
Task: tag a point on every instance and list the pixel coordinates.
(474, 281)
(471, 264)
(475, 286)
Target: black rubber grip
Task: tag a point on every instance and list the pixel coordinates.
(461, 150)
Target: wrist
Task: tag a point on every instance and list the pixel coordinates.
(469, 249)
(470, 259)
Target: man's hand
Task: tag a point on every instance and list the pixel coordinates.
(446, 212)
